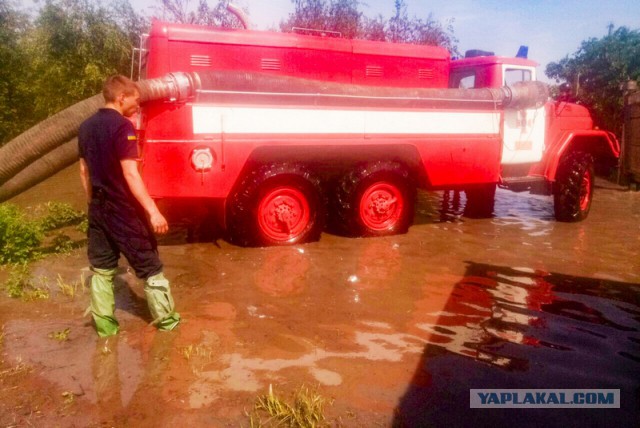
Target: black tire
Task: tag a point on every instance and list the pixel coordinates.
(573, 188)
(480, 200)
(279, 204)
(385, 183)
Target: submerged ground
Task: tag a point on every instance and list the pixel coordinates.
(395, 331)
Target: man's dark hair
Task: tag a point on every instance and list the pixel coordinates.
(116, 85)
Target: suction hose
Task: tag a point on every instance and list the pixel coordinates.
(50, 146)
(43, 168)
(257, 88)
(44, 137)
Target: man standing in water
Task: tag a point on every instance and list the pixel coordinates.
(122, 215)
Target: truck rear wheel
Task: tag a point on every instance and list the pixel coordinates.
(480, 201)
(276, 205)
(573, 189)
(376, 200)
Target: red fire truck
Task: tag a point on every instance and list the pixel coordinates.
(280, 132)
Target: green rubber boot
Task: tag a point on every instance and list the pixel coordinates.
(103, 302)
(160, 302)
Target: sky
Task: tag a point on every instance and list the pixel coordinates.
(552, 29)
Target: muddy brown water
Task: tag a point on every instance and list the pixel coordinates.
(395, 330)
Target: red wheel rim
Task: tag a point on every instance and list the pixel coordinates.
(381, 206)
(283, 214)
(585, 191)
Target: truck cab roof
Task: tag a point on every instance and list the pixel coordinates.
(491, 60)
(490, 71)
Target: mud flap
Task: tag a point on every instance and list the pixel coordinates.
(160, 302)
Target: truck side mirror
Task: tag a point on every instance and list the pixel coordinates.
(564, 93)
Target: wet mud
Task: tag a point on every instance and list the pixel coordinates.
(395, 330)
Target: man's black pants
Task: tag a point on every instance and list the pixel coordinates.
(121, 229)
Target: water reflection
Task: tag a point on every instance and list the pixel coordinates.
(530, 213)
(379, 261)
(451, 208)
(556, 331)
(482, 309)
(283, 271)
(130, 372)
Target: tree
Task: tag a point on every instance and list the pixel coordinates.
(598, 70)
(180, 11)
(308, 14)
(74, 46)
(345, 17)
(131, 23)
(14, 105)
(60, 57)
(415, 30)
(67, 51)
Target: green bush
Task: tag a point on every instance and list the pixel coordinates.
(59, 215)
(63, 244)
(84, 225)
(20, 238)
(20, 285)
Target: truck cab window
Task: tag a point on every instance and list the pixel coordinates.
(463, 80)
(513, 75)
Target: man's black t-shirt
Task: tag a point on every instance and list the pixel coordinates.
(104, 140)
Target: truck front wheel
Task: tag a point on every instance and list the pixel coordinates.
(573, 189)
(375, 200)
(276, 205)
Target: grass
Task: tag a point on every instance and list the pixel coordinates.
(69, 397)
(22, 236)
(191, 351)
(19, 280)
(196, 351)
(22, 240)
(68, 289)
(63, 244)
(35, 294)
(307, 410)
(59, 214)
(13, 371)
(198, 356)
(60, 336)
(19, 285)
(83, 226)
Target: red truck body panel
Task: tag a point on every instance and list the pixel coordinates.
(175, 47)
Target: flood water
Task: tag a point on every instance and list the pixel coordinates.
(394, 330)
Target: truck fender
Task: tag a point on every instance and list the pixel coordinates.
(603, 145)
(329, 160)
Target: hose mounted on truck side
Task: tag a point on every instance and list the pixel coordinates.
(50, 146)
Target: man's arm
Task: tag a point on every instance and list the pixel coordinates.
(137, 187)
(85, 178)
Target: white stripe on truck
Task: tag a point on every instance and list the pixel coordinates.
(266, 120)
